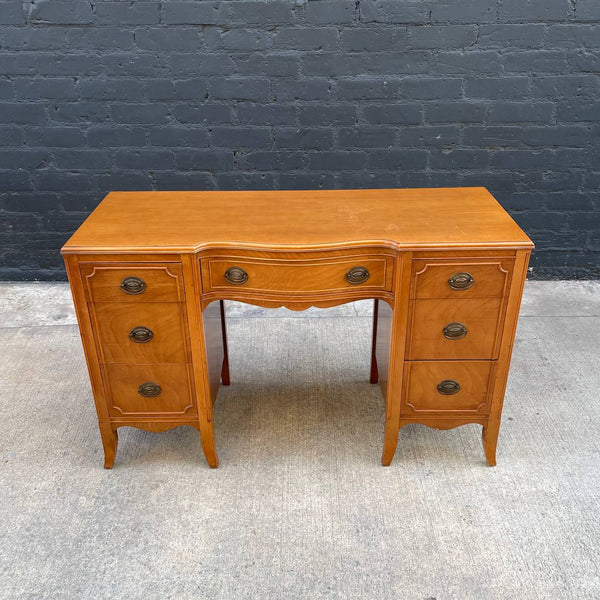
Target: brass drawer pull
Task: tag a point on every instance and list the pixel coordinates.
(236, 276)
(141, 335)
(133, 285)
(357, 275)
(461, 281)
(455, 331)
(149, 389)
(448, 387)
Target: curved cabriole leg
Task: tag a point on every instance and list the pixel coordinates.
(225, 366)
(110, 440)
(390, 442)
(489, 437)
(207, 438)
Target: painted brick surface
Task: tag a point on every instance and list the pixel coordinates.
(280, 94)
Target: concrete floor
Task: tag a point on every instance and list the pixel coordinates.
(300, 507)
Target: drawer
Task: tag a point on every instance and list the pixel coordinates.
(317, 274)
(448, 386)
(148, 332)
(460, 278)
(133, 283)
(152, 390)
(454, 329)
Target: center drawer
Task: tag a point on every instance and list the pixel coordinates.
(297, 275)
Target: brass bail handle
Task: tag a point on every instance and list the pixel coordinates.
(133, 285)
(447, 387)
(149, 389)
(461, 281)
(236, 276)
(357, 275)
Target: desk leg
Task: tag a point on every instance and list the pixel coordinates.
(374, 373)
(225, 368)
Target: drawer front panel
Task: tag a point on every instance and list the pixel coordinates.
(142, 333)
(460, 279)
(444, 329)
(166, 390)
(448, 387)
(284, 276)
(136, 283)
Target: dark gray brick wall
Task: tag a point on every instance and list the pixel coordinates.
(103, 95)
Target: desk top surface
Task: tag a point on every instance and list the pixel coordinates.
(293, 220)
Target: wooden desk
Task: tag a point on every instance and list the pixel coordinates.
(149, 272)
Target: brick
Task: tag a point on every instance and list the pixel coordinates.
(581, 85)
(327, 12)
(398, 159)
(468, 62)
(158, 38)
(337, 161)
(134, 65)
(35, 38)
(304, 138)
(306, 181)
(521, 112)
(160, 89)
(521, 159)
(466, 11)
(11, 13)
(398, 114)
(73, 65)
(501, 88)
(7, 89)
(271, 65)
(59, 87)
(447, 36)
(62, 12)
(366, 137)
(96, 38)
(534, 10)
(123, 180)
(573, 36)
(429, 137)
(191, 89)
(83, 159)
(276, 161)
(198, 64)
(539, 61)
(24, 159)
(371, 40)
(269, 114)
(204, 160)
(171, 136)
(324, 38)
(370, 180)
(238, 39)
(60, 181)
(563, 135)
(116, 135)
(139, 113)
(246, 181)
(15, 180)
(430, 88)
(303, 89)
(241, 137)
(195, 13)
(587, 62)
(207, 114)
(391, 11)
(55, 137)
(240, 88)
(365, 88)
(459, 159)
(335, 114)
(100, 88)
(11, 136)
(18, 64)
(271, 12)
(127, 13)
(452, 112)
(144, 159)
(21, 113)
(587, 10)
(518, 35)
